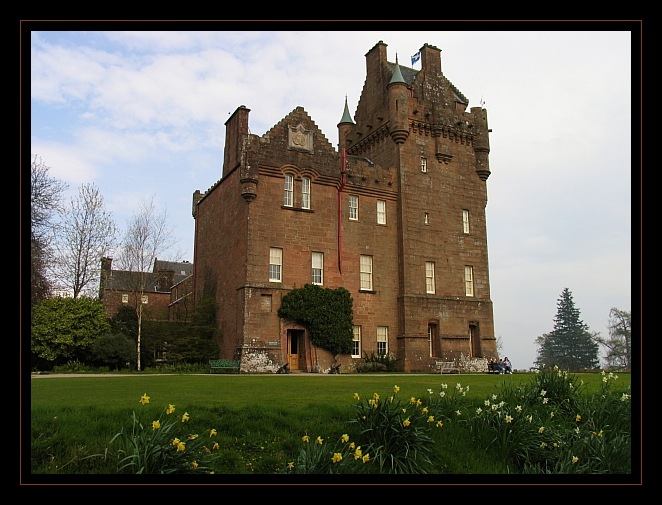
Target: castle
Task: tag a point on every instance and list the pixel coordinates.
(395, 215)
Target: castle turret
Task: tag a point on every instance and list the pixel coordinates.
(344, 128)
(398, 105)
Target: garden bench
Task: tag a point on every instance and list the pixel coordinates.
(446, 367)
(224, 365)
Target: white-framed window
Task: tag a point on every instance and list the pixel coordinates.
(424, 165)
(356, 342)
(429, 277)
(353, 208)
(318, 268)
(469, 281)
(145, 299)
(465, 220)
(275, 264)
(305, 193)
(366, 272)
(381, 212)
(125, 298)
(382, 340)
(288, 191)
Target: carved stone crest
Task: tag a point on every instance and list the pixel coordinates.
(300, 138)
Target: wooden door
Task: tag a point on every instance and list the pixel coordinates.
(294, 347)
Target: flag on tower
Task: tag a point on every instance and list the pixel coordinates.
(415, 58)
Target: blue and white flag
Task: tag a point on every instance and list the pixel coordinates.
(415, 58)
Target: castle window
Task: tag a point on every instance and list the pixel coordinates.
(366, 273)
(469, 281)
(288, 197)
(305, 193)
(145, 300)
(424, 165)
(381, 212)
(382, 340)
(465, 220)
(356, 342)
(429, 277)
(125, 298)
(275, 264)
(426, 218)
(318, 268)
(353, 208)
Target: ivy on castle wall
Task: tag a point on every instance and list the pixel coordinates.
(327, 313)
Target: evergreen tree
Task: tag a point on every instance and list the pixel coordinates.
(570, 345)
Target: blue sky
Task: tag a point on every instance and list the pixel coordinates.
(141, 114)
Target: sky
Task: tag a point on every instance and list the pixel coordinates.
(141, 114)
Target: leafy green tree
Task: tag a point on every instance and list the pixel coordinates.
(327, 313)
(64, 329)
(619, 342)
(570, 346)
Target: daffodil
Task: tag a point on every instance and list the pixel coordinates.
(357, 397)
(439, 424)
(156, 425)
(345, 438)
(358, 453)
(216, 446)
(213, 432)
(170, 409)
(319, 440)
(185, 417)
(430, 419)
(175, 441)
(575, 459)
(181, 446)
(144, 399)
(509, 419)
(305, 438)
(578, 418)
(336, 457)
(541, 429)
(406, 422)
(396, 388)
(366, 458)
(290, 465)
(194, 464)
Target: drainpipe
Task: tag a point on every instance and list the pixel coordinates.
(343, 180)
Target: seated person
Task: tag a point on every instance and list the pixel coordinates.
(507, 366)
(493, 366)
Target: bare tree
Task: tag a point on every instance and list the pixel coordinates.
(86, 234)
(45, 199)
(619, 342)
(147, 237)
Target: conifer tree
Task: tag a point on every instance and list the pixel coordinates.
(570, 345)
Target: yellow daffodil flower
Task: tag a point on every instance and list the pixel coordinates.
(509, 419)
(336, 457)
(305, 438)
(290, 465)
(170, 409)
(575, 459)
(319, 440)
(213, 432)
(578, 418)
(345, 438)
(439, 424)
(356, 396)
(144, 399)
(156, 425)
(396, 388)
(406, 422)
(185, 417)
(366, 458)
(194, 464)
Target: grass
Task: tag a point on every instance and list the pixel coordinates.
(261, 419)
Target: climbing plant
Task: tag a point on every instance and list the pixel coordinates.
(327, 313)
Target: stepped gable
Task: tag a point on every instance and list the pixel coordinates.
(303, 143)
(299, 115)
